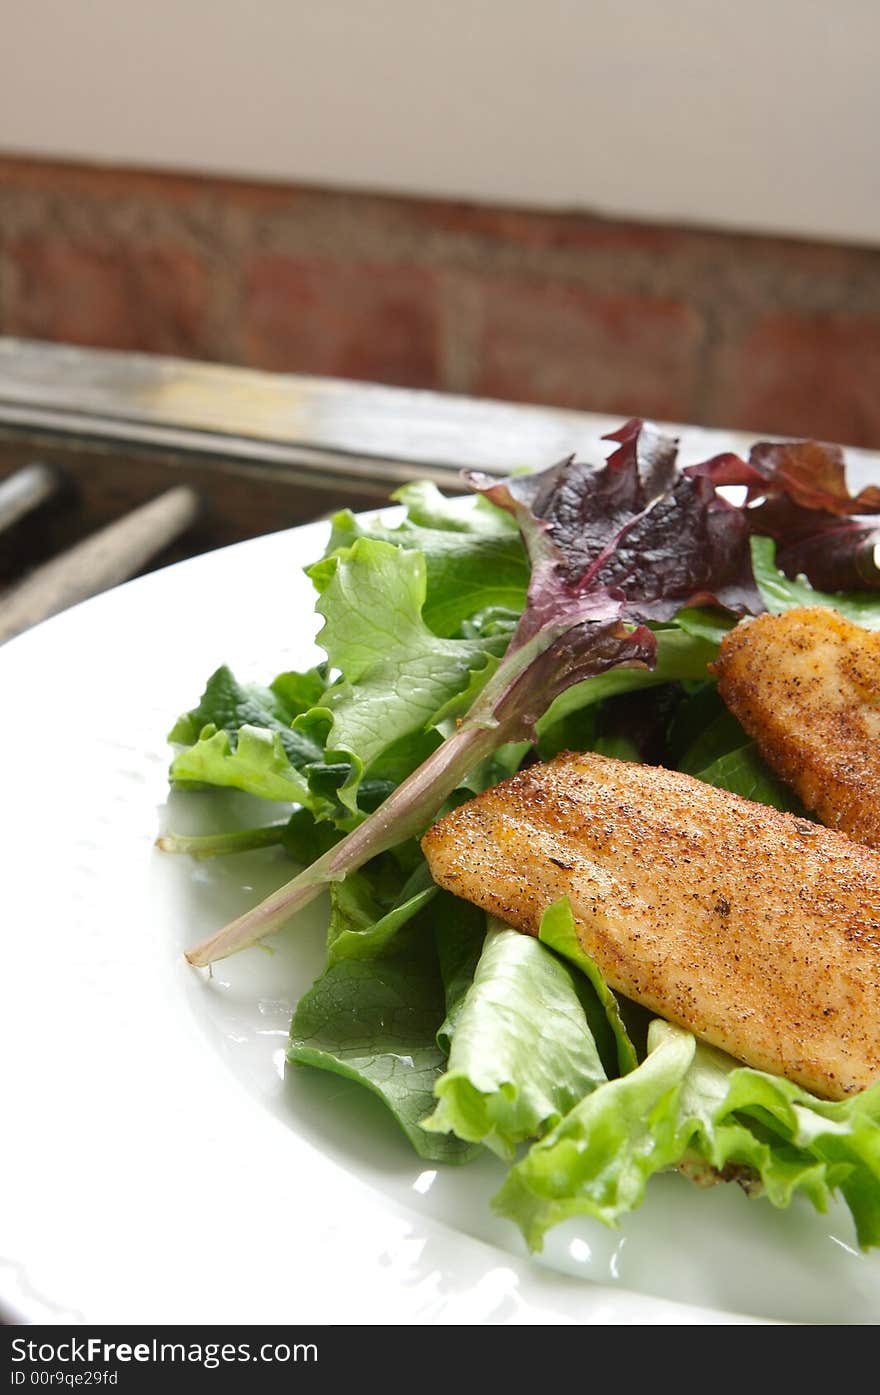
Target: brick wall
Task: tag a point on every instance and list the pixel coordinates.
(767, 334)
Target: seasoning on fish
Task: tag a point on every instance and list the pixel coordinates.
(806, 687)
(756, 930)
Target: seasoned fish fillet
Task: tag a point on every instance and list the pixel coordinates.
(756, 930)
(806, 687)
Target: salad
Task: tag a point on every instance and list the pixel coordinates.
(578, 608)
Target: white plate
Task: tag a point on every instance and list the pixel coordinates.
(161, 1165)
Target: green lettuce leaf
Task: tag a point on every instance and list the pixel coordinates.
(296, 693)
(598, 1159)
(691, 1106)
(681, 657)
(557, 930)
(240, 736)
(427, 508)
(374, 1021)
(255, 760)
(366, 917)
(509, 1077)
(722, 754)
(785, 1139)
(745, 772)
(474, 585)
(460, 929)
(474, 560)
(703, 623)
(396, 673)
(780, 593)
(718, 733)
(227, 705)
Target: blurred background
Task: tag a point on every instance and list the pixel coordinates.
(670, 209)
(663, 208)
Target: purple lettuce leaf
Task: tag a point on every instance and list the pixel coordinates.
(797, 494)
(635, 526)
(833, 553)
(809, 473)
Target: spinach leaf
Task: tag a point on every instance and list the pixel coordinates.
(375, 1021)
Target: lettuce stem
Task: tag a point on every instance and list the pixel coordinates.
(406, 813)
(203, 845)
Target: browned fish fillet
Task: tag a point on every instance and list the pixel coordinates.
(806, 687)
(756, 930)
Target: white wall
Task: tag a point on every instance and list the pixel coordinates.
(759, 114)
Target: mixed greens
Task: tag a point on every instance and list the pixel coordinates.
(576, 608)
